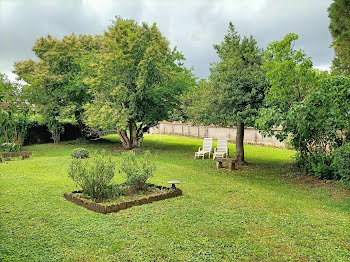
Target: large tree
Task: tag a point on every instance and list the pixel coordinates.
(339, 14)
(235, 89)
(135, 80)
(56, 86)
(312, 107)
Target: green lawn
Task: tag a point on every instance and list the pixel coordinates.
(259, 212)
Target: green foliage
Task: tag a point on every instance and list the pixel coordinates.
(235, 90)
(199, 102)
(10, 147)
(80, 153)
(339, 14)
(291, 78)
(56, 84)
(135, 79)
(13, 112)
(310, 106)
(54, 126)
(136, 169)
(317, 164)
(94, 179)
(341, 162)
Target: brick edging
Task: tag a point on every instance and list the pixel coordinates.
(105, 209)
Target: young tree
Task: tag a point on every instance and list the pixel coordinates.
(339, 14)
(56, 79)
(235, 90)
(291, 78)
(13, 112)
(135, 80)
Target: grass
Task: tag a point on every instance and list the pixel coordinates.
(258, 213)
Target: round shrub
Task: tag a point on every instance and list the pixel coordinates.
(80, 153)
(341, 162)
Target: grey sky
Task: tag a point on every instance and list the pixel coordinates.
(191, 25)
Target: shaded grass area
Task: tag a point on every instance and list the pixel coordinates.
(260, 212)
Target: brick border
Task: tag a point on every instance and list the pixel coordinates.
(105, 209)
(7, 155)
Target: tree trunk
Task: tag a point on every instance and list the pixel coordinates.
(82, 126)
(240, 144)
(134, 135)
(124, 139)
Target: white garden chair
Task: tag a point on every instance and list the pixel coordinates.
(206, 149)
(221, 149)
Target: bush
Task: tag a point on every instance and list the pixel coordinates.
(94, 179)
(80, 153)
(137, 171)
(341, 162)
(317, 164)
(10, 147)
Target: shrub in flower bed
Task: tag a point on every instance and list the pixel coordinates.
(95, 181)
(136, 171)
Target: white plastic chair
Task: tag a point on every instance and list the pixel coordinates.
(206, 149)
(221, 149)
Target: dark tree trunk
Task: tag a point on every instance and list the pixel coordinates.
(240, 143)
(126, 143)
(82, 126)
(134, 135)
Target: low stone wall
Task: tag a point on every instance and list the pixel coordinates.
(251, 135)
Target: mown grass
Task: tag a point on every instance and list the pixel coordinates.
(258, 213)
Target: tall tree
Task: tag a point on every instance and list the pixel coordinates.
(339, 14)
(235, 90)
(135, 80)
(56, 85)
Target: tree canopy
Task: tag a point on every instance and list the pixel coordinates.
(135, 80)
(56, 86)
(235, 90)
(339, 14)
(312, 107)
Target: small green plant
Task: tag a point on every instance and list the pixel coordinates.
(341, 162)
(94, 179)
(137, 170)
(80, 153)
(10, 147)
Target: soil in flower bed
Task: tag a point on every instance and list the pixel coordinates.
(128, 199)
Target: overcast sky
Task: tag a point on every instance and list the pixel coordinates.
(191, 25)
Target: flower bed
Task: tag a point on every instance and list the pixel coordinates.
(105, 208)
